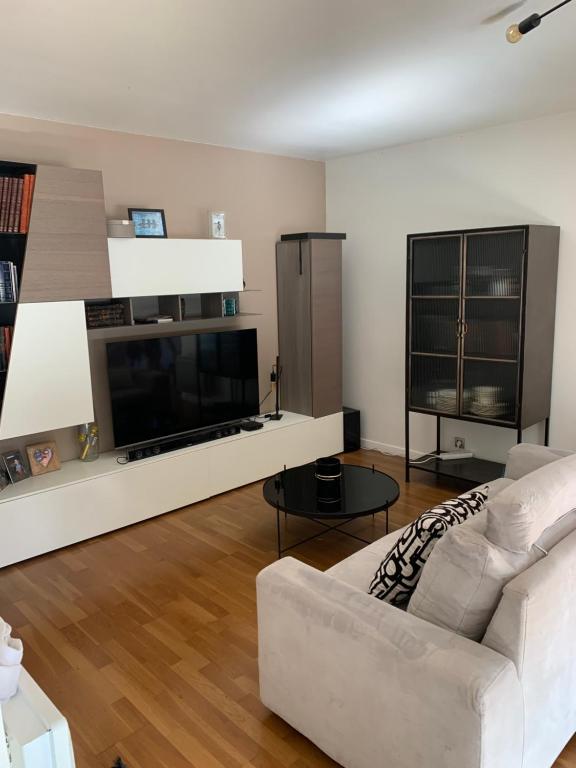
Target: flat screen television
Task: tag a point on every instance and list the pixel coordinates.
(171, 385)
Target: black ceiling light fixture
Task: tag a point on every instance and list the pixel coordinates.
(516, 32)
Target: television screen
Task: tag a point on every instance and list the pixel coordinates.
(175, 384)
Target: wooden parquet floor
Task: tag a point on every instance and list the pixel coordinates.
(146, 638)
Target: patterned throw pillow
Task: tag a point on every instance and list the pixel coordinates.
(398, 574)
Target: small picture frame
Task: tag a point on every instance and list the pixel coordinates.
(148, 222)
(16, 466)
(43, 457)
(229, 307)
(217, 221)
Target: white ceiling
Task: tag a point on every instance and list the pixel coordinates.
(311, 78)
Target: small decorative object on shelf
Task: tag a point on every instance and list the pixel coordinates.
(218, 225)
(148, 222)
(15, 466)
(105, 315)
(88, 440)
(229, 307)
(120, 228)
(43, 457)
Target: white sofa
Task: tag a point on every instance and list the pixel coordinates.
(376, 687)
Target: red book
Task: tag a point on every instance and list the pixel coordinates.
(6, 203)
(7, 343)
(25, 209)
(3, 193)
(32, 179)
(18, 205)
(11, 204)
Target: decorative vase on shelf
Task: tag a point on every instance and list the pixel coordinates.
(88, 441)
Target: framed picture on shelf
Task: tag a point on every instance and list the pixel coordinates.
(16, 466)
(148, 222)
(43, 457)
(218, 225)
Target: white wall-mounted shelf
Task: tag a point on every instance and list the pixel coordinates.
(89, 499)
(142, 266)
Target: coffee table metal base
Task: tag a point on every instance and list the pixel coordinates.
(325, 529)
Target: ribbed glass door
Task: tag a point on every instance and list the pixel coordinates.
(434, 314)
(491, 323)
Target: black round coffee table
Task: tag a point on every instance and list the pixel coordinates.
(359, 492)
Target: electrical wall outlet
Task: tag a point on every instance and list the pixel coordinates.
(459, 443)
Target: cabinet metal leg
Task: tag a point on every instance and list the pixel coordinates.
(407, 442)
(547, 431)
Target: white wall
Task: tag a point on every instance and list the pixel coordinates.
(523, 173)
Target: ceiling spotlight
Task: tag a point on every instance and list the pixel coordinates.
(516, 32)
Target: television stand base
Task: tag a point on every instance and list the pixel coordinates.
(181, 441)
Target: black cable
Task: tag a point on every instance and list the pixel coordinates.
(542, 15)
(265, 398)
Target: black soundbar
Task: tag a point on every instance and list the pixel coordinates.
(181, 441)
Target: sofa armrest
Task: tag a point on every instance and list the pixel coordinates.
(376, 687)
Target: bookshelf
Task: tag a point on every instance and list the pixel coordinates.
(127, 316)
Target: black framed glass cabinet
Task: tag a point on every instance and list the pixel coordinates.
(480, 314)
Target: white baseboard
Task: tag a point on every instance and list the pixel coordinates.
(393, 450)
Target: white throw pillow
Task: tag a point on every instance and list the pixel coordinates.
(519, 514)
(525, 458)
(462, 582)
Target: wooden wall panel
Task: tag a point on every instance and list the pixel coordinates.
(67, 251)
(326, 298)
(294, 326)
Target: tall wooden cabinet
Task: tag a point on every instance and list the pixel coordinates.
(309, 287)
(481, 306)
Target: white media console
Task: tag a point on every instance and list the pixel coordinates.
(88, 499)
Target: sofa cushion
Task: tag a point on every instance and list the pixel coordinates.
(398, 574)
(519, 514)
(526, 458)
(358, 569)
(462, 582)
(494, 487)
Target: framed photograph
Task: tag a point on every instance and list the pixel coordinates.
(218, 225)
(16, 466)
(43, 457)
(148, 222)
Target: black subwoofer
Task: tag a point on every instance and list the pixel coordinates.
(351, 429)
